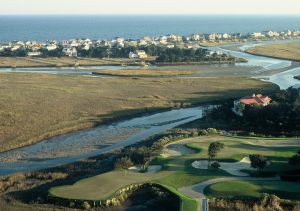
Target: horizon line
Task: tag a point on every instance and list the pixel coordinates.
(154, 14)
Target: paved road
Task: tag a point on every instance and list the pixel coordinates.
(196, 191)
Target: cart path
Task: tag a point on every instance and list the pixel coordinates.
(196, 191)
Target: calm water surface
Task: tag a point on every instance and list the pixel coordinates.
(135, 26)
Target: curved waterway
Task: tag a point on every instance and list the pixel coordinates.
(283, 79)
(86, 143)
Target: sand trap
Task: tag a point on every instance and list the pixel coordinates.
(231, 168)
(266, 143)
(174, 150)
(151, 169)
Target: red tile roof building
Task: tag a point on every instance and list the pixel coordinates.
(255, 99)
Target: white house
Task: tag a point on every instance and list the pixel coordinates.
(133, 55)
(86, 47)
(210, 53)
(132, 43)
(196, 37)
(256, 34)
(35, 53)
(143, 43)
(71, 52)
(268, 33)
(226, 36)
(16, 47)
(51, 47)
(139, 54)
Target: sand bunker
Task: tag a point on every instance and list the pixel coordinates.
(174, 150)
(151, 169)
(231, 168)
(279, 143)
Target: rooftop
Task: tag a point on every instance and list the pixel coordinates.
(257, 99)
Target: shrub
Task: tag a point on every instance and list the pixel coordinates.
(251, 134)
(202, 133)
(86, 205)
(211, 131)
(194, 133)
(215, 165)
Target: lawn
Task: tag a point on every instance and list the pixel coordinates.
(288, 50)
(36, 106)
(104, 185)
(238, 147)
(283, 189)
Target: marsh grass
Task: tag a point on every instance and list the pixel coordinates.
(34, 107)
(289, 50)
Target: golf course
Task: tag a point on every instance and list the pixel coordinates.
(178, 174)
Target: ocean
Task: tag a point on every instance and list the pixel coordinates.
(42, 27)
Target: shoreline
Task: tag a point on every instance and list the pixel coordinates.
(66, 65)
(198, 63)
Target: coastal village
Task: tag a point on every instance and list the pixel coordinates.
(75, 47)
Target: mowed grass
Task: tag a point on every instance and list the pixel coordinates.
(177, 171)
(36, 106)
(235, 149)
(289, 50)
(104, 185)
(283, 189)
(238, 147)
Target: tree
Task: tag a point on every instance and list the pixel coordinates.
(258, 161)
(213, 150)
(123, 162)
(295, 159)
(141, 156)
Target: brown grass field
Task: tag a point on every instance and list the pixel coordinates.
(213, 44)
(37, 106)
(289, 50)
(59, 62)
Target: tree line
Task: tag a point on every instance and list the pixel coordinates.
(162, 53)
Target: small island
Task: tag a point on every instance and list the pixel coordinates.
(297, 77)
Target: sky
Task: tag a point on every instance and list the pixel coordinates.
(11, 7)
